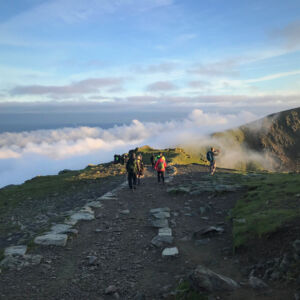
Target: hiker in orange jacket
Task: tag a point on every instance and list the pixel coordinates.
(160, 167)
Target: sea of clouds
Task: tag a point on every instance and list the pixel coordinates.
(24, 155)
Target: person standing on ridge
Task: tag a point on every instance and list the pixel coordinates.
(160, 167)
(140, 167)
(132, 170)
(152, 159)
(210, 155)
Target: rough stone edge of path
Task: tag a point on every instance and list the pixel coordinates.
(15, 257)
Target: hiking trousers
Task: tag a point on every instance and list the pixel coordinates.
(131, 180)
(161, 175)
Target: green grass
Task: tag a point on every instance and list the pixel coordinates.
(174, 156)
(62, 184)
(184, 291)
(271, 201)
(36, 195)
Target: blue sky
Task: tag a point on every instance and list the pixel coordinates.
(142, 53)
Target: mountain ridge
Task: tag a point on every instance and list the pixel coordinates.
(277, 136)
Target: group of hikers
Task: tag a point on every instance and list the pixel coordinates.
(120, 159)
(135, 166)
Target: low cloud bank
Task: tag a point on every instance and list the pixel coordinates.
(42, 152)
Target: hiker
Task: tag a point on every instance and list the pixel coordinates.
(160, 167)
(140, 168)
(152, 159)
(210, 155)
(124, 158)
(131, 167)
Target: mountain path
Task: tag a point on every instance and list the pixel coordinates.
(115, 250)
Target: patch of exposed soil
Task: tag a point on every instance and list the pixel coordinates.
(115, 249)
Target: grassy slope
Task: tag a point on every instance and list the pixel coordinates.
(173, 155)
(271, 201)
(64, 183)
(35, 195)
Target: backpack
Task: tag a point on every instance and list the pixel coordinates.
(209, 156)
(131, 166)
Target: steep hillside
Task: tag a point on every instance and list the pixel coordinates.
(277, 136)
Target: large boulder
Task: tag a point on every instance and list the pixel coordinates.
(203, 279)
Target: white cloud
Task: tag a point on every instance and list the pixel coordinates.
(273, 76)
(49, 151)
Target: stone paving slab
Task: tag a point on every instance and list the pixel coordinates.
(160, 209)
(160, 223)
(52, 239)
(162, 215)
(16, 250)
(80, 216)
(170, 252)
(159, 241)
(165, 231)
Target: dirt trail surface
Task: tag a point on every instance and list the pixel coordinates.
(114, 251)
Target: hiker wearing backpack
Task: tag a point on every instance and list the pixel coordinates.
(140, 167)
(160, 167)
(132, 170)
(210, 156)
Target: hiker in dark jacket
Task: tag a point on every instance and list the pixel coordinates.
(210, 155)
(132, 170)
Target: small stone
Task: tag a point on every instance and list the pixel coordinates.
(110, 289)
(165, 231)
(92, 259)
(208, 230)
(257, 283)
(170, 252)
(125, 212)
(205, 279)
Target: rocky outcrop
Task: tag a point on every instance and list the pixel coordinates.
(203, 279)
